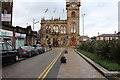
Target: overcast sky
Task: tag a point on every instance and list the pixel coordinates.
(100, 15)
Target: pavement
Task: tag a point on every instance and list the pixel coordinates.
(77, 67)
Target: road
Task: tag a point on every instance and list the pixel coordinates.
(34, 67)
(47, 65)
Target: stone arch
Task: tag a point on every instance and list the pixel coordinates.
(73, 14)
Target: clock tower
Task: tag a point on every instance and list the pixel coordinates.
(72, 7)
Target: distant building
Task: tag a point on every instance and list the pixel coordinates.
(84, 38)
(108, 37)
(63, 32)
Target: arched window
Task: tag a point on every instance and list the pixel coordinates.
(64, 29)
(73, 14)
(61, 29)
(73, 27)
(55, 28)
(48, 29)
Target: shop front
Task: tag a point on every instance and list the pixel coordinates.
(6, 35)
(20, 40)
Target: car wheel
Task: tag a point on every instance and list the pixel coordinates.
(16, 58)
(29, 55)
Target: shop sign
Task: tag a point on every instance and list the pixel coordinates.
(6, 33)
(23, 36)
(20, 35)
(6, 17)
(17, 34)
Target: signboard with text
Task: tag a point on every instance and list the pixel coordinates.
(5, 33)
(6, 17)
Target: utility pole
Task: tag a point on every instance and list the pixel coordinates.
(83, 23)
(33, 30)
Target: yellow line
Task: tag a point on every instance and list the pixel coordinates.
(50, 67)
(47, 68)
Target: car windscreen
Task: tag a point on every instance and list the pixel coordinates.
(1, 47)
(38, 45)
(26, 47)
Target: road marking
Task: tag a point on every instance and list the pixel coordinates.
(51, 66)
(48, 68)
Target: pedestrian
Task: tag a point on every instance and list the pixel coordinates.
(50, 47)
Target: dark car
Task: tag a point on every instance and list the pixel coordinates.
(27, 51)
(40, 47)
(8, 53)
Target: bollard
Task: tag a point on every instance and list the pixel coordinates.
(63, 59)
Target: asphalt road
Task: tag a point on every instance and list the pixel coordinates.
(34, 67)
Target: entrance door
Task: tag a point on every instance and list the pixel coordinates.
(73, 41)
(55, 42)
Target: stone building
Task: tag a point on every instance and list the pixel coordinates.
(62, 32)
(16, 36)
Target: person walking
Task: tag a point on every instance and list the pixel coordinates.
(50, 47)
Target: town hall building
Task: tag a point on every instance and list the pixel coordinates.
(62, 32)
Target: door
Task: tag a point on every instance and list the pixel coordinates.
(73, 41)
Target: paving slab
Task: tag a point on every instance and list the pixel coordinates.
(77, 67)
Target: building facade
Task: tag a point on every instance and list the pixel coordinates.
(108, 37)
(62, 32)
(16, 36)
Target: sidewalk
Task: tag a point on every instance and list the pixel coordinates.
(77, 67)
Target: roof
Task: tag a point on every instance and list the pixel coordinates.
(108, 35)
(84, 37)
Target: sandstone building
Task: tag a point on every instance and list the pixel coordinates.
(62, 32)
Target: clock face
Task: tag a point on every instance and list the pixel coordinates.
(73, 5)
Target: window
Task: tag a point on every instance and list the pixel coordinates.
(4, 47)
(9, 47)
(55, 29)
(61, 29)
(48, 29)
(73, 14)
(64, 30)
(73, 27)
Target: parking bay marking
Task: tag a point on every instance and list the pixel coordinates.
(49, 67)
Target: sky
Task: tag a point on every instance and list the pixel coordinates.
(100, 15)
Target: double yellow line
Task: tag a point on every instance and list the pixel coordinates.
(48, 68)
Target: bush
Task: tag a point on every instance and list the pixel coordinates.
(105, 49)
(115, 51)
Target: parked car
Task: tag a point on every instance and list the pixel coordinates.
(40, 47)
(8, 53)
(27, 51)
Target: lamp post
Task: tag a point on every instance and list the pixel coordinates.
(83, 23)
(33, 30)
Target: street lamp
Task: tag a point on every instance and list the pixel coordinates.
(83, 23)
(33, 30)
